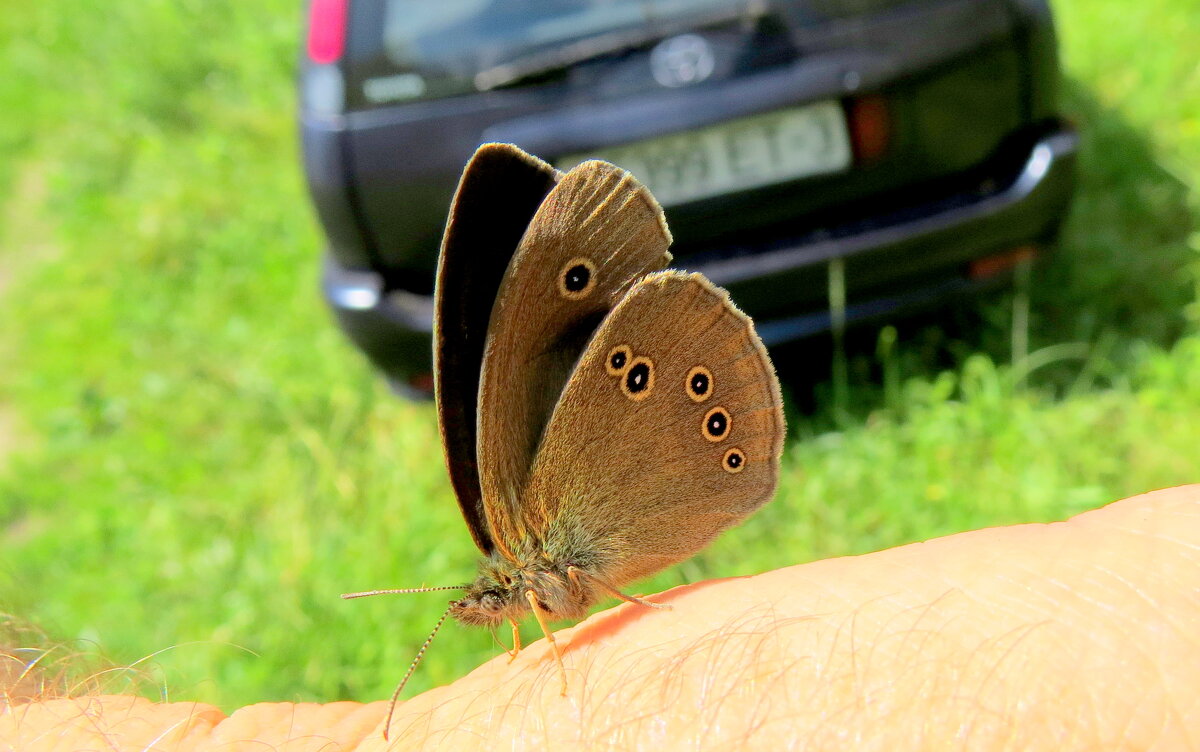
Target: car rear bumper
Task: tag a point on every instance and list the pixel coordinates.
(784, 286)
(935, 243)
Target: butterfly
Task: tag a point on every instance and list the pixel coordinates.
(602, 417)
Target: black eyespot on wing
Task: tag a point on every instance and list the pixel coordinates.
(734, 461)
(699, 384)
(577, 279)
(638, 380)
(716, 424)
(618, 360)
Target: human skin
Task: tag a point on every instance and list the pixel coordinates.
(1083, 634)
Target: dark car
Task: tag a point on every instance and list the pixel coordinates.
(914, 147)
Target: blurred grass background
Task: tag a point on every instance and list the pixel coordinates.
(193, 463)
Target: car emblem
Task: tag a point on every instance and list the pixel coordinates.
(682, 60)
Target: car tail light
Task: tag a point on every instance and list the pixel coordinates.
(326, 30)
(870, 127)
(991, 266)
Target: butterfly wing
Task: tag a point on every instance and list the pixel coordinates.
(596, 232)
(669, 431)
(498, 194)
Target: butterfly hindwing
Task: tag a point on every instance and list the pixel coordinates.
(500, 190)
(669, 431)
(595, 233)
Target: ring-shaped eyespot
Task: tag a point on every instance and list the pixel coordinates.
(716, 424)
(699, 384)
(618, 360)
(734, 461)
(577, 279)
(638, 380)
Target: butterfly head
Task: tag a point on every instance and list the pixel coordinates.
(497, 595)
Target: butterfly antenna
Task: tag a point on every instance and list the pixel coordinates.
(365, 593)
(413, 666)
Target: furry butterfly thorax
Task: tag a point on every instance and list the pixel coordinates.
(602, 418)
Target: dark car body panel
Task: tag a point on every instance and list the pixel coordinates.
(970, 90)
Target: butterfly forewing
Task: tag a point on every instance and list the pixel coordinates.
(500, 190)
(596, 232)
(669, 431)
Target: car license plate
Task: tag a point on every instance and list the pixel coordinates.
(749, 152)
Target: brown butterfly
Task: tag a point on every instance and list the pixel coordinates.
(602, 419)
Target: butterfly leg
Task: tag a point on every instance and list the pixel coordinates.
(516, 640)
(575, 574)
(540, 614)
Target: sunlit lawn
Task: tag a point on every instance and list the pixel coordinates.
(193, 463)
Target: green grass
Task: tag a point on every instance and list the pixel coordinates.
(193, 461)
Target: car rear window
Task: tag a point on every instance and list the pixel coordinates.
(846, 8)
(438, 48)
